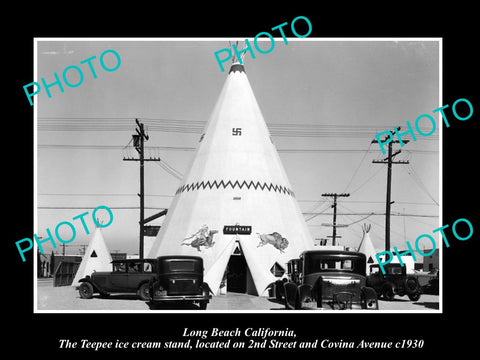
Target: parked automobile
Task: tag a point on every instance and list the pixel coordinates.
(395, 281)
(180, 280)
(432, 287)
(329, 279)
(127, 276)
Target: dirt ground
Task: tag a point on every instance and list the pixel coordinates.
(67, 298)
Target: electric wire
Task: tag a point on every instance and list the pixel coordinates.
(367, 181)
(358, 167)
(190, 149)
(419, 182)
(197, 126)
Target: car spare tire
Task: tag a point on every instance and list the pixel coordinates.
(411, 285)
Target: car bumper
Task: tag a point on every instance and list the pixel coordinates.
(168, 298)
(329, 305)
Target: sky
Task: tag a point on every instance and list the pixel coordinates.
(322, 99)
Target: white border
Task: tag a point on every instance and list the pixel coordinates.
(206, 312)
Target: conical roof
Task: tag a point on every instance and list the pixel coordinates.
(97, 258)
(366, 247)
(236, 177)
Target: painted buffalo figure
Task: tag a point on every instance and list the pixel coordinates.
(275, 239)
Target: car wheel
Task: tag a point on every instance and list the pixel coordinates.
(411, 285)
(143, 292)
(414, 297)
(388, 293)
(86, 290)
(279, 290)
(369, 298)
(202, 305)
(304, 296)
(290, 296)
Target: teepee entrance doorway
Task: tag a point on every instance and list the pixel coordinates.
(237, 274)
(237, 270)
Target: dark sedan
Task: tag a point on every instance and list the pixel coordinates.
(127, 276)
(328, 279)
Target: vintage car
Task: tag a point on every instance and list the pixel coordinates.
(432, 287)
(180, 280)
(127, 276)
(329, 279)
(395, 281)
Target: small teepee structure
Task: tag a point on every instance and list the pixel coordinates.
(366, 246)
(97, 258)
(236, 208)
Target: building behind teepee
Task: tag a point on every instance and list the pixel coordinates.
(97, 257)
(236, 208)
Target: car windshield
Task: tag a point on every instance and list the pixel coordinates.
(394, 270)
(333, 263)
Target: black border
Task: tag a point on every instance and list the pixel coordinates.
(456, 25)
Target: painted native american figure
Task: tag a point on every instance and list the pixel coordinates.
(202, 237)
(277, 240)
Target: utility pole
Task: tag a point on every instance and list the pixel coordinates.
(138, 142)
(334, 206)
(389, 161)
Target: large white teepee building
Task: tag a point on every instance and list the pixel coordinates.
(97, 258)
(235, 207)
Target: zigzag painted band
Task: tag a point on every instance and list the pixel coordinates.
(222, 184)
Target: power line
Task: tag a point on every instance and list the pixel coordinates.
(380, 225)
(358, 167)
(376, 214)
(197, 126)
(170, 170)
(98, 194)
(191, 148)
(316, 207)
(419, 182)
(366, 181)
(357, 221)
(93, 207)
(383, 202)
(304, 213)
(171, 196)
